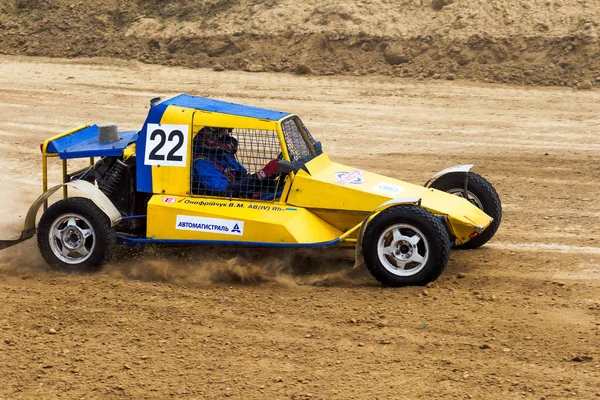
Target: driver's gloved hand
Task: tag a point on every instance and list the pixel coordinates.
(268, 170)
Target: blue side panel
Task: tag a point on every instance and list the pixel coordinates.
(141, 241)
(144, 172)
(202, 103)
(84, 143)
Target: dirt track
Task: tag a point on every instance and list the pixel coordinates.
(519, 318)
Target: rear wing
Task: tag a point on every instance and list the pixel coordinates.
(81, 142)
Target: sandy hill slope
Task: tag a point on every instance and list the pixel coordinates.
(548, 42)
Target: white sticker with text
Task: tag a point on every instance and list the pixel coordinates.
(210, 225)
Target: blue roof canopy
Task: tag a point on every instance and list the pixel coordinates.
(202, 103)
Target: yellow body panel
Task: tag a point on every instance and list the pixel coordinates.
(343, 220)
(350, 189)
(198, 218)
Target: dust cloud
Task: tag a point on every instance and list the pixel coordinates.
(241, 266)
(207, 265)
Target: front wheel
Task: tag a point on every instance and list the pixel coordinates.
(406, 245)
(480, 193)
(74, 235)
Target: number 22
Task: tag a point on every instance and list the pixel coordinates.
(176, 134)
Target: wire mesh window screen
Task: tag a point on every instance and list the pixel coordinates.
(236, 163)
(256, 148)
(298, 146)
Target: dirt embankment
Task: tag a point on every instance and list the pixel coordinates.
(545, 42)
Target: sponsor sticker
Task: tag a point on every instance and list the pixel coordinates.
(209, 225)
(353, 177)
(388, 188)
(169, 200)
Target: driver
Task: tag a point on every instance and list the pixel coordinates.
(216, 171)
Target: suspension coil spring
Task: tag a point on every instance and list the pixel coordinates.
(112, 177)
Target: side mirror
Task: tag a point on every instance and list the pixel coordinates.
(155, 101)
(284, 167)
(318, 148)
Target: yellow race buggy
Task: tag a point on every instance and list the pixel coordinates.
(206, 171)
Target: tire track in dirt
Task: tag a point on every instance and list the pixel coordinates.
(544, 247)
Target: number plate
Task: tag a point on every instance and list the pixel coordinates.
(166, 145)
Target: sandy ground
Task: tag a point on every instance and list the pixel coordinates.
(519, 318)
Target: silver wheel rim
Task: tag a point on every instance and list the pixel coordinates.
(72, 238)
(403, 250)
(470, 196)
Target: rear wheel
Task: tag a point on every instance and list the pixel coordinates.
(406, 245)
(479, 192)
(74, 235)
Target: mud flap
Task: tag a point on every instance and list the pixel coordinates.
(92, 192)
(456, 168)
(358, 256)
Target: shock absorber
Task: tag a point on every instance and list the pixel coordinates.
(112, 177)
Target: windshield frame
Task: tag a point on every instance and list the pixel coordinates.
(299, 143)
